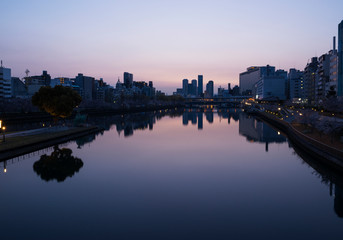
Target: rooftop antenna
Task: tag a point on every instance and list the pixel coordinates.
(27, 72)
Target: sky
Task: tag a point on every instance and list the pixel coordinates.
(164, 41)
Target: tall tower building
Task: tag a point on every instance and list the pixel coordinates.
(200, 85)
(209, 89)
(340, 60)
(185, 87)
(5, 82)
(128, 79)
(194, 87)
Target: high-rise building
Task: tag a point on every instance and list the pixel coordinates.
(296, 84)
(200, 85)
(332, 84)
(128, 79)
(209, 89)
(310, 80)
(185, 87)
(340, 60)
(18, 88)
(87, 87)
(194, 87)
(249, 78)
(5, 82)
(322, 77)
(272, 86)
(42, 80)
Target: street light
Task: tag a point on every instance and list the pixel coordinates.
(3, 133)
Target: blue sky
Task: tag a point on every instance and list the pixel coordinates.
(164, 41)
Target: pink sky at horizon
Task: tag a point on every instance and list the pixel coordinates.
(164, 41)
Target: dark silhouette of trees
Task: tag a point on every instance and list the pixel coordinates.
(58, 101)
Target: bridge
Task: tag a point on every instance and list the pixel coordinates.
(230, 101)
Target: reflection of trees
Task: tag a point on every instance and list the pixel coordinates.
(59, 165)
(84, 140)
(328, 175)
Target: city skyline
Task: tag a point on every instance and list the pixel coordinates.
(164, 42)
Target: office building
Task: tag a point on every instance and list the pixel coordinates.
(310, 80)
(87, 87)
(296, 84)
(5, 82)
(193, 91)
(185, 87)
(322, 77)
(128, 80)
(18, 88)
(271, 88)
(209, 89)
(333, 79)
(340, 60)
(200, 85)
(249, 78)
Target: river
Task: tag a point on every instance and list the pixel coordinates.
(217, 174)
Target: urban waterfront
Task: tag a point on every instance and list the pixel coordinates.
(176, 174)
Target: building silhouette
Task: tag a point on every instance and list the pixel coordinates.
(257, 131)
(87, 86)
(128, 79)
(209, 89)
(200, 85)
(340, 60)
(185, 87)
(5, 82)
(295, 83)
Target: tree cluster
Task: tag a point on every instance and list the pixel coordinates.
(58, 101)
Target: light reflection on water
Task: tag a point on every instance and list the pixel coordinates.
(174, 175)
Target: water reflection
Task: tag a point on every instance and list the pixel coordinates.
(196, 115)
(258, 131)
(61, 164)
(58, 166)
(328, 176)
(84, 140)
(129, 123)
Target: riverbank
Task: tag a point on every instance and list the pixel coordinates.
(42, 116)
(318, 150)
(19, 145)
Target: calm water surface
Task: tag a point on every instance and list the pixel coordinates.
(190, 175)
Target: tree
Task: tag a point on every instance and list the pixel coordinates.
(58, 101)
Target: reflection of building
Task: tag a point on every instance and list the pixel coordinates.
(84, 140)
(257, 131)
(209, 116)
(328, 176)
(338, 202)
(200, 120)
(230, 113)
